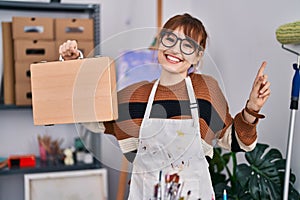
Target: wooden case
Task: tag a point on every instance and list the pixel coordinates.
(74, 91)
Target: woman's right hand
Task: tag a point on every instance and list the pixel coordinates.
(68, 50)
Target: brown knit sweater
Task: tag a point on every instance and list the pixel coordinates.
(216, 123)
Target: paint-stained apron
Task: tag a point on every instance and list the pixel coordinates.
(171, 146)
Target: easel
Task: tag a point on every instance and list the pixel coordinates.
(123, 179)
(124, 164)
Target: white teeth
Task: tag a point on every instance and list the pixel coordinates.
(173, 58)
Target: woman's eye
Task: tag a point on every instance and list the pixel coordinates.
(188, 46)
(170, 39)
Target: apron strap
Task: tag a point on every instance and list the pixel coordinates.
(193, 101)
(191, 94)
(150, 100)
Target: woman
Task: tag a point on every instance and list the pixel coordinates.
(168, 126)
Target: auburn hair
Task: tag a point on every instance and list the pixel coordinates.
(191, 26)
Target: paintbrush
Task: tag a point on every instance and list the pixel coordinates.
(180, 191)
(170, 188)
(174, 187)
(159, 190)
(167, 184)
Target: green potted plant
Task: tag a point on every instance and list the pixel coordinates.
(261, 178)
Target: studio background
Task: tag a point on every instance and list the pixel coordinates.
(241, 36)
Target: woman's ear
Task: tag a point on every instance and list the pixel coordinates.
(198, 58)
(201, 53)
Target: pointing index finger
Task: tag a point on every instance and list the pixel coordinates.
(261, 69)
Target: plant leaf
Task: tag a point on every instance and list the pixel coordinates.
(219, 161)
(216, 164)
(261, 178)
(264, 180)
(255, 155)
(242, 174)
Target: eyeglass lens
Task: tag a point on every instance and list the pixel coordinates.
(187, 46)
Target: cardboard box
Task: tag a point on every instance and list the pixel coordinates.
(36, 28)
(23, 94)
(22, 72)
(74, 29)
(37, 50)
(85, 46)
(74, 91)
(8, 64)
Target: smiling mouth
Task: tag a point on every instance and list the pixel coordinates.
(173, 59)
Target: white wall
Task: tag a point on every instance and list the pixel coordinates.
(242, 35)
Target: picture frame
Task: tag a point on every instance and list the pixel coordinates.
(77, 184)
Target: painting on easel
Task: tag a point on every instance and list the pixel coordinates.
(136, 65)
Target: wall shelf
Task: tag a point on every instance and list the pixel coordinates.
(93, 11)
(49, 7)
(50, 167)
(13, 107)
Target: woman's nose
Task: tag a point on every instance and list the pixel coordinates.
(176, 47)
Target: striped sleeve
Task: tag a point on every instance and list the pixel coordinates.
(131, 106)
(234, 134)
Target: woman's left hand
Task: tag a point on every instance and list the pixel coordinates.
(260, 90)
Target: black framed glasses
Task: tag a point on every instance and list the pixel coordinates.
(187, 45)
